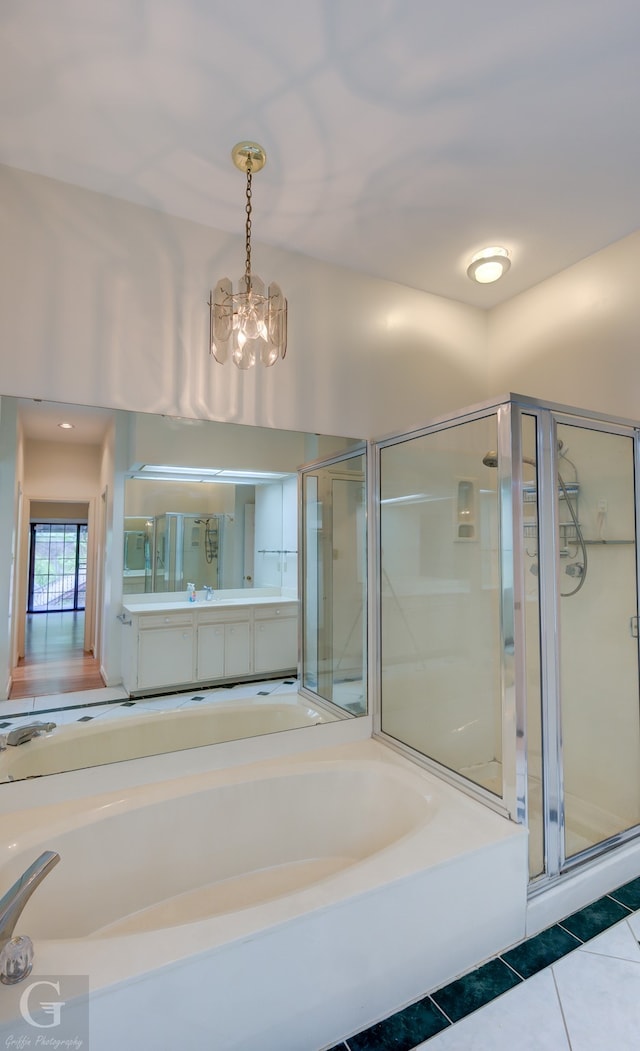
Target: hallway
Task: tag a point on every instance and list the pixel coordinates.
(55, 661)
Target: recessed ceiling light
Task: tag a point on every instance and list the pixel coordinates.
(489, 265)
(66, 426)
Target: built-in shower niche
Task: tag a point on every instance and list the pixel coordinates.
(516, 652)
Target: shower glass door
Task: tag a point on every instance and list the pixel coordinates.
(441, 664)
(334, 573)
(598, 605)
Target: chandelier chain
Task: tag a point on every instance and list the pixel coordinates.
(247, 270)
(247, 325)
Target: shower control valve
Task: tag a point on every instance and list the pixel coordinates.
(576, 569)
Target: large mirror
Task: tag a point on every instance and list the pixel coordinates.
(152, 584)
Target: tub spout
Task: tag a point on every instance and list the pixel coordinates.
(16, 953)
(22, 734)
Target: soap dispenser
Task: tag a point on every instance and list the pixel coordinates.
(191, 592)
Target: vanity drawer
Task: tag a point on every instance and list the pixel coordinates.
(224, 616)
(165, 620)
(288, 609)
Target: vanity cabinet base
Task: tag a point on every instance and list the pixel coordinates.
(198, 648)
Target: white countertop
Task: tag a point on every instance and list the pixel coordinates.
(184, 606)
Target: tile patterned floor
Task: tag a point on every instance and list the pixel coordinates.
(114, 703)
(573, 987)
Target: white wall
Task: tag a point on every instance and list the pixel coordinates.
(58, 471)
(290, 533)
(145, 499)
(10, 464)
(105, 303)
(276, 530)
(574, 338)
(110, 514)
(205, 443)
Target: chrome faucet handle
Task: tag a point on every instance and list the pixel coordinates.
(16, 951)
(16, 959)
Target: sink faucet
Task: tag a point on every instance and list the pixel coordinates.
(22, 734)
(208, 592)
(16, 953)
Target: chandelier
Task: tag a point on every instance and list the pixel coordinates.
(249, 324)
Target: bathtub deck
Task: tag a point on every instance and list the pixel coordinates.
(438, 885)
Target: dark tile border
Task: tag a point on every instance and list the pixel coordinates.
(540, 951)
(595, 918)
(465, 995)
(628, 894)
(405, 1029)
(69, 708)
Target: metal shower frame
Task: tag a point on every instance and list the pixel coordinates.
(509, 411)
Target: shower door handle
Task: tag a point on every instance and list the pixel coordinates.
(633, 627)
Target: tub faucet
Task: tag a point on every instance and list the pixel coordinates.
(22, 734)
(16, 953)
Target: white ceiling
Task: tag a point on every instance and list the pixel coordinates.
(402, 135)
(41, 422)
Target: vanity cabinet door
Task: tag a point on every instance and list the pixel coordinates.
(276, 640)
(165, 656)
(237, 648)
(210, 651)
(224, 649)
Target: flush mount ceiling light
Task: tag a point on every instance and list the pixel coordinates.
(66, 426)
(250, 324)
(489, 265)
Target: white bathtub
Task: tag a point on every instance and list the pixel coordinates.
(280, 905)
(112, 740)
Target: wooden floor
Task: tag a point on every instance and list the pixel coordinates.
(54, 661)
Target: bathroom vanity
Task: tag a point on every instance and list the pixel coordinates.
(169, 642)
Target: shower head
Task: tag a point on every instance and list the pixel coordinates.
(576, 569)
(490, 459)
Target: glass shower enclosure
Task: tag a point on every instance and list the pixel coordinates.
(334, 581)
(508, 621)
(187, 548)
